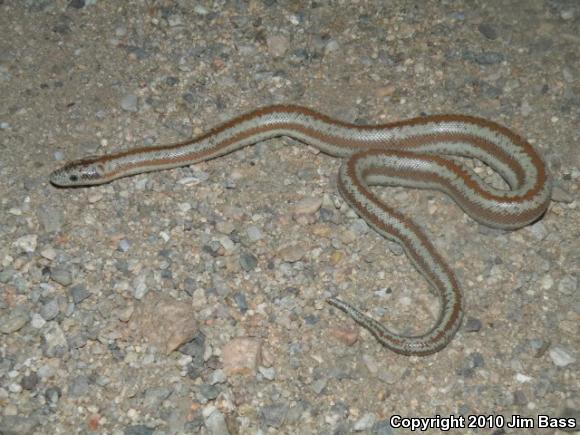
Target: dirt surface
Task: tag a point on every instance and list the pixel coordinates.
(192, 300)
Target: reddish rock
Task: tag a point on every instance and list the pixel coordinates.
(242, 355)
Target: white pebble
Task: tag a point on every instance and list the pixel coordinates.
(37, 321)
(49, 253)
(522, 379)
(547, 282)
(27, 243)
(561, 357)
(254, 233)
(15, 388)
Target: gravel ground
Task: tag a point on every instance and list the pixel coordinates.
(192, 300)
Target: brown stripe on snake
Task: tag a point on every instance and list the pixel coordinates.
(414, 153)
(475, 210)
(401, 230)
(481, 213)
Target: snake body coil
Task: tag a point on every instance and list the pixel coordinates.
(414, 153)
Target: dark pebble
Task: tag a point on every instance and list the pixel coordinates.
(189, 285)
(230, 184)
(122, 265)
(117, 353)
(50, 309)
(484, 58)
(311, 319)
(477, 359)
(472, 325)
(79, 386)
(327, 215)
(77, 4)
(539, 346)
(248, 262)
(195, 425)
(61, 275)
(274, 415)
(52, 395)
(488, 31)
(235, 236)
(6, 275)
(171, 81)
(295, 413)
(155, 396)
(473, 362)
(195, 348)
(138, 429)
(520, 398)
(79, 293)
(77, 341)
(212, 248)
(29, 382)
(138, 52)
(209, 392)
(61, 28)
(194, 371)
(165, 253)
(382, 427)
(488, 90)
(241, 302)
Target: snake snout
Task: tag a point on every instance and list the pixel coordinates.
(84, 172)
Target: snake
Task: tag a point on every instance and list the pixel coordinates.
(424, 152)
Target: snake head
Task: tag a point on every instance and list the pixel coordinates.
(85, 172)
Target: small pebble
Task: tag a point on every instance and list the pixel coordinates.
(568, 285)
(129, 103)
(488, 31)
(79, 293)
(254, 233)
(217, 377)
(29, 382)
(49, 253)
(241, 302)
(216, 423)
(274, 415)
(277, 45)
(241, 355)
(50, 309)
(37, 321)
(61, 276)
(472, 325)
(292, 254)
(27, 243)
(268, 373)
(365, 422)
(561, 356)
(55, 343)
(123, 245)
(319, 385)
(539, 347)
(307, 206)
(248, 262)
(52, 395)
(13, 321)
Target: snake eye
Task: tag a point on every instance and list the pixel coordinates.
(73, 178)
